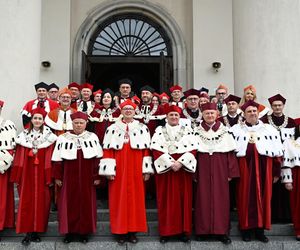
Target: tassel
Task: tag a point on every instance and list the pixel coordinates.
(36, 160)
(30, 153)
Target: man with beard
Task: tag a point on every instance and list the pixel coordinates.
(148, 113)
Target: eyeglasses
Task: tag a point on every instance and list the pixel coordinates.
(221, 93)
(126, 109)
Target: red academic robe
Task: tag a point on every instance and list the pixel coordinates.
(33, 178)
(126, 191)
(280, 195)
(254, 189)
(174, 200)
(77, 205)
(32, 104)
(7, 203)
(212, 203)
(99, 128)
(295, 199)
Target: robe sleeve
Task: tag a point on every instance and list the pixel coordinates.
(162, 161)
(48, 165)
(18, 163)
(107, 166)
(277, 162)
(188, 161)
(147, 162)
(96, 175)
(233, 166)
(57, 170)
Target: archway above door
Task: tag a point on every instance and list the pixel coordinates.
(152, 11)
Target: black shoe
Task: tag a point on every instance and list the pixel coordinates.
(53, 207)
(26, 240)
(83, 238)
(67, 239)
(262, 238)
(163, 239)
(121, 238)
(184, 238)
(35, 237)
(260, 235)
(132, 238)
(246, 235)
(224, 239)
(201, 237)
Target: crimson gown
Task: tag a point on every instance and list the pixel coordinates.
(7, 203)
(174, 200)
(254, 188)
(33, 178)
(77, 205)
(126, 192)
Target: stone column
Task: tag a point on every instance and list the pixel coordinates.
(212, 42)
(266, 49)
(20, 29)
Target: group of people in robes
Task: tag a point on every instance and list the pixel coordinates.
(189, 150)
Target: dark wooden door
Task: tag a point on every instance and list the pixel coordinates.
(105, 71)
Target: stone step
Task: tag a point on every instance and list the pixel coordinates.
(103, 215)
(103, 229)
(55, 243)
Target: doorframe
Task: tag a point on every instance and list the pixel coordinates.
(116, 7)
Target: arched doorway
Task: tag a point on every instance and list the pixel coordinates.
(80, 63)
(128, 46)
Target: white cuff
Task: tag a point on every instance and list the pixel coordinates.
(162, 164)
(107, 167)
(147, 165)
(286, 175)
(188, 161)
(5, 160)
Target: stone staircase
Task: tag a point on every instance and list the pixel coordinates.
(281, 236)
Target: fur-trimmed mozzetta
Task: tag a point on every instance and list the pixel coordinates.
(7, 134)
(107, 167)
(287, 133)
(220, 141)
(185, 144)
(267, 139)
(291, 156)
(68, 143)
(139, 136)
(44, 139)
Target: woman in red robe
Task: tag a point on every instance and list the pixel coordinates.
(7, 145)
(75, 170)
(127, 163)
(105, 115)
(174, 150)
(31, 172)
